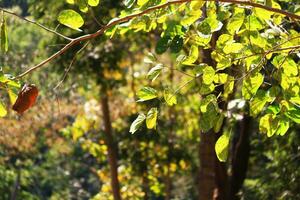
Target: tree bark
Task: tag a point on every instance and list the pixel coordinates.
(15, 189)
(111, 146)
(240, 157)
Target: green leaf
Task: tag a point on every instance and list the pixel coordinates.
(163, 44)
(287, 64)
(221, 147)
(129, 3)
(12, 96)
(170, 97)
(209, 112)
(3, 111)
(204, 28)
(83, 5)
(7, 79)
(251, 85)
(283, 126)
(136, 124)
(233, 48)
(176, 44)
(142, 2)
(294, 114)
(191, 17)
(155, 71)
(258, 103)
(4, 36)
(146, 93)
(71, 19)
(268, 124)
(192, 57)
(219, 123)
(208, 75)
(221, 78)
(93, 2)
(151, 118)
(236, 21)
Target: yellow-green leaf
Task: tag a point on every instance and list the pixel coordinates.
(170, 97)
(93, 2)
(221, 147)
(251, 85)
(3, 111)
(71, 19)
(4, 36)
(151, 118)
(146, 93)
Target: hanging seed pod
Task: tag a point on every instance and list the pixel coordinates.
(26, 98)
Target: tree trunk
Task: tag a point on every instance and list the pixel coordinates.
(111, 147)
(207, 165)
(15, 189)
(240, 156)
(213, 173)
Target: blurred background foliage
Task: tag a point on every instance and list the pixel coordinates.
(57, 149)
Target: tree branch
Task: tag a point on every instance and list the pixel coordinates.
(36, 23)
(132, 16)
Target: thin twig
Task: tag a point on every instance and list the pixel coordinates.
(36, 23)
(70, 65)
(129, 17)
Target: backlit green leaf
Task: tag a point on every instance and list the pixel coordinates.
(3, 111)
(136, 124)
(192, 57)
(151, 118)
(71, 19)
(93, 2)
(146, 93)
(170, 97)
(251, 85)
(154, 72)
(221, 147)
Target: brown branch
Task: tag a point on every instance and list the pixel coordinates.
(257, 5)
(132, 16)
(36, 23)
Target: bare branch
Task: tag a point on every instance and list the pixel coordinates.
(132, 16)
(36, 23)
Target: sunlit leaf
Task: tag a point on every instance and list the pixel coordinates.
(170, 97)
(221, 147)
(3, 111)
(136, 124)
(93, 2)
(192, 57)
(155, 72)
(71, 19)
(251, 85)
(151, 118)
(146, 93)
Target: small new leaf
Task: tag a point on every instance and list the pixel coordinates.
(136, 124)
(155, 72)
(146, 93)
(151, 118)
(170, 97)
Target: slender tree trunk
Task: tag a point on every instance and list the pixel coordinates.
(15, 189)
(111, 146)
(213, 173)
(207, 166)
(240, 156)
